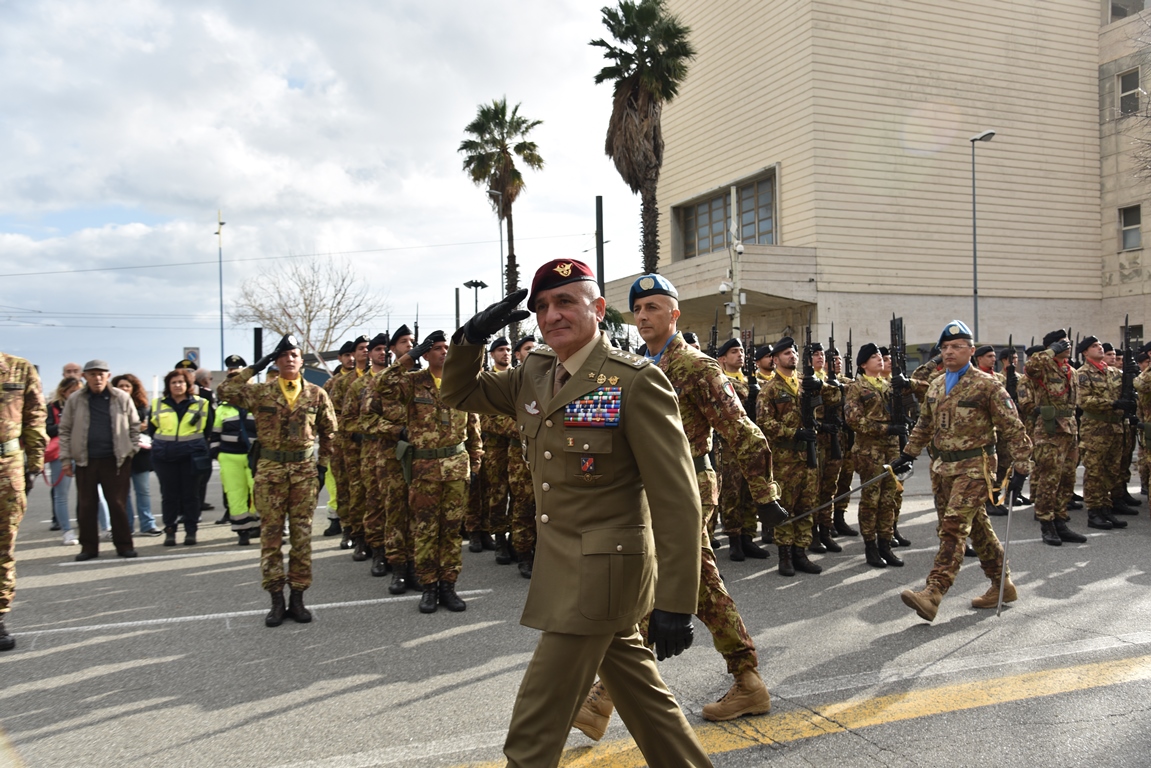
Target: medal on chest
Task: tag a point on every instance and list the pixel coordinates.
(599, 408)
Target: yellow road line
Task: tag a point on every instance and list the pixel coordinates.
(718, 738)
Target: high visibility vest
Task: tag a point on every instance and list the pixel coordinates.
(170, 427)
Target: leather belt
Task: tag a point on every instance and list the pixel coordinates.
(438, 453)
(987, 450)
(11, 446)
(702, 463)
(1110, 418)
(287, 456)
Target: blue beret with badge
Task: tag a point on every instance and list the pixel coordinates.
(650, 285)
(956, 329)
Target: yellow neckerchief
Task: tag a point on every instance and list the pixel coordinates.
(875, 381)
(821, 375)
(763, 376)
(791, 381)
(291, 389)
(738, 376)
(360, 373)
(435, 379)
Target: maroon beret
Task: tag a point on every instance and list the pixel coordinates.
(556, 273)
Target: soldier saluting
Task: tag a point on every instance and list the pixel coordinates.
(291, 415)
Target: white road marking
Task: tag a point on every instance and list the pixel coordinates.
(453, 632)
(117, 560)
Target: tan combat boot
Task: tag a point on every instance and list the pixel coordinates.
(593, 716)
(925, 602)
(990, 598)
(747, 696)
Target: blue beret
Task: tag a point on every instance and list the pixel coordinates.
(956, 329)
(650, 285)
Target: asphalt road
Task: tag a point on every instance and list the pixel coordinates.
(164, 660)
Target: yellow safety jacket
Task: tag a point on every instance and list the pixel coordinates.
(171, 428)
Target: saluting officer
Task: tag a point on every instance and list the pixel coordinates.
(291, 415)
(613, 478)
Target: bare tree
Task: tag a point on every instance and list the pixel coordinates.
(318, 300)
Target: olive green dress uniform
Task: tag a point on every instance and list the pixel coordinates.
(735, 505)
(868, 413)
(1052, 388)
(1100, 434)
(285, 483)
(609, 496)
(958, 429)
(22, 442)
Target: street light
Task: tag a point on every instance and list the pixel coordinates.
(499, 198)
(476, 285)
(984, 136)
(220, 244)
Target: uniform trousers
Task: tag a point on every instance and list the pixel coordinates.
(1054, 459)
(333, 494)
(878, 503)
(13, 504)
(523, 501)
(397, 515)
(829, 470)
(959, 501)
(179, 492)
(285, 490)
(375, 505)
(798, 491)
(354, 470)
(735, 504)
(843, 484)
(557, 680)
(115, 481)
(236, 477)
(437, 508)
(1100, 448)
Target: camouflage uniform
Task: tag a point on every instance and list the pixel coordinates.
(735, 505)
(22, 442)
(847, 466)
(494, 480)
(958, 429)
(285, 486)
(829, 468)
(1143, 393)
(868, 413)
(398, 548)
(343, 449)
(1100, 434)
(1052, 391)
(360, 478)
(523, 499)
(922, 377)
(778, 416)
(331, 481)
(447, 448)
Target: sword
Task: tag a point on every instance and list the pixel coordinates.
(1003, 570)
(886, 473)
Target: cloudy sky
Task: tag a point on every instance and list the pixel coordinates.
(320, 130)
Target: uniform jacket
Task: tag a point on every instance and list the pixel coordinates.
(609, 497)
(74, 426)
(1098, 390)
(868, 412)
(778, 415)
(22, 412)
(1051, 395)
(193, 428)
(337, 395)
(233, 430)
(922, 377)
(280, 427)
(977, 409)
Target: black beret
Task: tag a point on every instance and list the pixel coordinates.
(361, 339)
(436, 337)
(502, 341)
(728, 345)
(1085, 343)
(981, 351)
(1146, 348)
(690, 337)
(1142, 357)
(286, 344)
(884, 351)
(783, 345)
(235, 361)
(1054, 336)
(521, 342)
(865, 353)
(762, 352)
(1036, 349)
(1006, 352)
(399, 333)
(379, 340)
(1107, 347)
(347, 348)
(817, 346)
(185, 364)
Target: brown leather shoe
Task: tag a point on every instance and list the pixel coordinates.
(990, 598)
(925, 602)
(747, 696)
(594, 714)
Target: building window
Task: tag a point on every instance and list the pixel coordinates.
(1129, 92)
(707, 224)
(1121, 9)
(1129, 222)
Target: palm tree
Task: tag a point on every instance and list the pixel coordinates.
(498, 138)
(648, 65)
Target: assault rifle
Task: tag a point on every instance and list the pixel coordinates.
(1009, 371)
(834, 420)
(900, 385)
(749, 372)
(849, 364)
(1127, 398)
(809, 400)
(713, 339)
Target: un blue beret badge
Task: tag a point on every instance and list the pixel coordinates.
(647, 283)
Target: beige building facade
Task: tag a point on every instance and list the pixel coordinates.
(846, 131)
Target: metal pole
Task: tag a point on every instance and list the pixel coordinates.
(220, 243)
(974, 251)
(503, 275)
(599, 242)
(736, 317)
(457, 307)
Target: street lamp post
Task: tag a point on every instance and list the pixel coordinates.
(984, 136)
(476, 285)
(500, 223)
(220, 251)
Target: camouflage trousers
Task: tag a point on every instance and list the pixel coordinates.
(829, 470)
(353, 512)
(843, 485)
(13, 503)
(736, 509)
(1144, 457)
(437, 508)
(717, 611)
(878, 503)
(372, 455)
(397, 515)
(338, 468)
(959, 502)
(1101, 453)
(523, 501)
(493, 513)
(1125, 457)
(286, 490)
(1054, 459)
(799, 489)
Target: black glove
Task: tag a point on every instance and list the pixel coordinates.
(422, 348)
(29, 481)
(903, 463)
(503, 312)
(475, 481)
(1015, 487)
(771, 514)
(670, 633)
(404, 434)
(1133, 421)
(263, 362)
(1130, 367)
(1127, 406)
(805, 434)
(1059, 347)
(811, 384)
(936, 361)
(897, 429)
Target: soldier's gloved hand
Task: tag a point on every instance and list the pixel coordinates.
(903, 463)
(1059, 347)
(29, 481)
(1015, 487)
(811, 384)
(1130, 367)
(404, 434)
(670, 633)
(1133, 421)
(488, 321)
(805, 434)
(899, 430)
(421, 349)
(263, 362)
(936, 361)
(1127, 406)
(771, 514)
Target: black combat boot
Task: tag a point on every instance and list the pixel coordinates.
(362, 551)
(413, 582)
(995, 510)
(503, 550)
(785, 566)
(1097, 519)
(379, 562)
(1051, 536)
(871, 554)
(1066, 534)
(816, 545)
(800, 562)
(275, 616)
(888, 556)
(897, 538)
(346, 542)
(7, 642)
(968, 550)
(399, 583)
(245, 537)
(1076, 502)
(487, 541)
(735, 551)
(527, 562)
(751, 549)
(1126, 498)
(296, 610)
(170, 536)
(449, 599)
(1021, 501)
(429, 599)
(829, 543)
(841, 526)
(475, 543)
(1109, 513)
(1120, 507)
(333, 528)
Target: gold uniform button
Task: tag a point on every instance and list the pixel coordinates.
(548, 422)
(619, 547)
(546, 486)
(547, 454)
(543, 518)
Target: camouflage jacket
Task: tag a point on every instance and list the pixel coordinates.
(497, 429)
(411, 400)
(280, 427)
(868, 412)
(1052, 394)
(331, 382)
(831, 396)
(921, 379)
(358, 412)
(778, 415)
(710, 400)
(965, 420)
(22, 411)
(1026, 401)
(1098, 390)
(338, 393)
